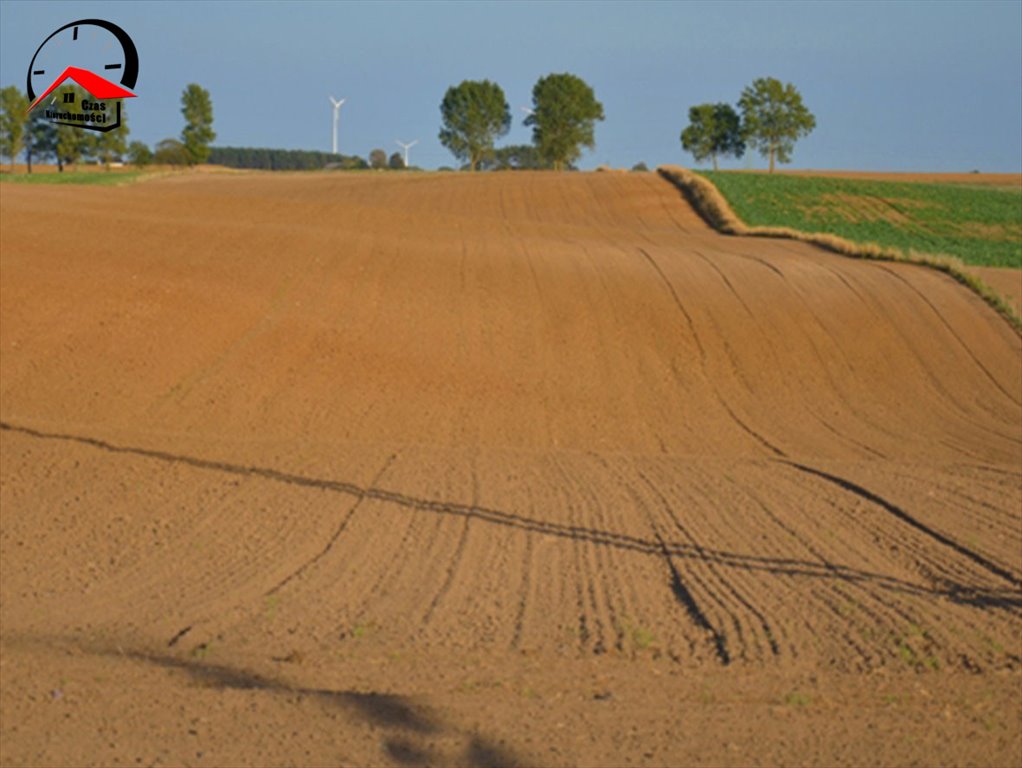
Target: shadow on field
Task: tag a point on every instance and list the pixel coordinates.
(940, 586)
(381, 709)
(396, 713)
(401, 719)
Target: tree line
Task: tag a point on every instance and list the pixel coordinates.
(474, 114)
(302, 159)
(564, 112)
(772, 119)
(282, 159)
(41, 140)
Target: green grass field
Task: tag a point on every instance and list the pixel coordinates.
(72, 177)
(981, 226)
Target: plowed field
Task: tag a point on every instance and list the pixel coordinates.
(493, 469)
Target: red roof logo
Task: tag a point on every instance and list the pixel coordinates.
(99, 87)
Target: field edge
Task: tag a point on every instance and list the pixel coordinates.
(711, 204)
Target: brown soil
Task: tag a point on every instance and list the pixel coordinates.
(493, 469)
(1005, 281)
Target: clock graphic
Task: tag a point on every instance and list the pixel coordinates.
(96, 54)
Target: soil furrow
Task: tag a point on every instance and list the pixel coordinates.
(908, 519)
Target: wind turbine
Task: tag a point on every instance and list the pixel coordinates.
(406, 148)
(337, 114)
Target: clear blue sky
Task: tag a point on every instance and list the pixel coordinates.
(894, 86)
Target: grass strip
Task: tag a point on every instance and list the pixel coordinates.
(96, 178)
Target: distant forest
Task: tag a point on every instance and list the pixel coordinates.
(515, 157)
(282, 159)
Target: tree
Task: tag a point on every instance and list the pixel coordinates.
(640, 167)
(69, 142)
(563, 118)
(111, 145)
(139, 154)
(377, 159)
(171, 152)
(13, 117)
(396, 162)
(474, 114)
(72, 144)
(713, 129)
(198, 132)
(40, 138)
(773, 118)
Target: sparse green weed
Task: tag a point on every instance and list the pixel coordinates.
(362, 629)
(796, 699)
(908, 654)
(272, 601)
(471, 686)
(640, 637)
(202, 650)
(847, 608)
(994, 645)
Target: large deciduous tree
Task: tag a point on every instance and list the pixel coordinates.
(378, 159)
(13, 118)
(139, 154)
(474, 114)
(71, 143)
(713, 130)
(774, 118)
(111, 145)
(563, 118)
(171, 152)
(40, 138)
(197, 108)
